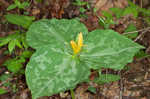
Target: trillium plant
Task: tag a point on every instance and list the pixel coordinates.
(66, 52)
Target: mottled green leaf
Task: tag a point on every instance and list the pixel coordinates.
(51, 71)
(54, 32)
(52, 68)
(108, 49)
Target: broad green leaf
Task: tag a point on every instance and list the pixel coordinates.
(108, 49)
(106, 78)
(54, 32)
(52, 68)
(20, 20)
(51, 71)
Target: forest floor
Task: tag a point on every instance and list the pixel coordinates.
(134, 82)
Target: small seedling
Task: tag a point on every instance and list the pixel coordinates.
(83, 6)
(15, 65)
(14, 40)
(18, 4)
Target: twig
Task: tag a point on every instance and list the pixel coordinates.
(146, 75)
(134, 1)
(121, 86)
(142, 33)
(141, 3)
(31, 2)
(148, 49)
(9, 79)
(136, 31)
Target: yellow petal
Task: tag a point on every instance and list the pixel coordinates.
(80, 40)
(74, 46)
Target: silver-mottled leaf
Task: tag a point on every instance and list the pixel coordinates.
(108, 49)
(51, 71)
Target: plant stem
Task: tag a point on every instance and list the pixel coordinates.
(72, 94)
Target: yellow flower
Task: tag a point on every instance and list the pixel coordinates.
(77, 46)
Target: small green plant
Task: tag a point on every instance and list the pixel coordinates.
(7, 85)
(61, 62)
(131, 9)
(18, 4)
(80, 3)
(131, 28)
(107, 20)
(15, 65)
(141, 54)
(13, 40)
(83, 6)
(5, 81)
(106, 78)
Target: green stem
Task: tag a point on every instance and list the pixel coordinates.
(72, 94)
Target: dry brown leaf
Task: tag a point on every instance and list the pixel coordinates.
(100, 3)
(108, 5)
(104, 5)
(35, 11)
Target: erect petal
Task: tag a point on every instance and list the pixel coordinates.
(80, 40)
(74, 46)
